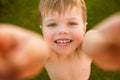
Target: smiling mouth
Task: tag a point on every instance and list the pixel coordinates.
(67, 41)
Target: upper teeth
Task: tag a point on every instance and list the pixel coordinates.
(63, 41)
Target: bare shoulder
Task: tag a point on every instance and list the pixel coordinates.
(84, 57)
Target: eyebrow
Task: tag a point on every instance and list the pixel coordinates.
(50, 19)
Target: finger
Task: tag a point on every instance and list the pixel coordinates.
(7, 72)
(110, 28)
(30, 58)
(7, 42)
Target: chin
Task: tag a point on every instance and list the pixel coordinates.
(64, 53)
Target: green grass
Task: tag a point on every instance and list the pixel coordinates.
(25, 13)
(21, 12)
(100, 9)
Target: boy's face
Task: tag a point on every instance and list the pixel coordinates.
(64, 33)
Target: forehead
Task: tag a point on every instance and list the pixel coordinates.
(69, 13)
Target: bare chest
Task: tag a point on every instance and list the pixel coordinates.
(69, 70)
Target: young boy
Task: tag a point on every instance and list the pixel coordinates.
(63, 23)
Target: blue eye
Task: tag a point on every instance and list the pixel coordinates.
(72, 23)
(52, 25)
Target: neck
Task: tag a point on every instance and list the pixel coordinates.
(67, 56)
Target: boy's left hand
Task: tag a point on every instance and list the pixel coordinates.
(103, 43)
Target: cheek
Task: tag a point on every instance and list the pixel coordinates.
(79, 34)
(48, 36)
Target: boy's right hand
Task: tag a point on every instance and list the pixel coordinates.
(26, 51)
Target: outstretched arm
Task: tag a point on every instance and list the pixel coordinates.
(24, 50)
(102, 43)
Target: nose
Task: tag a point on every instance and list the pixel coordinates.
(62, 30)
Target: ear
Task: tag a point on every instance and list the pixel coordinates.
(86, 23)
(40, 27)
(84, 28)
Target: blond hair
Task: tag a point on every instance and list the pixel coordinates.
(61, 6)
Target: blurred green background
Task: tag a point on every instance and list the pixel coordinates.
(24, 13)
